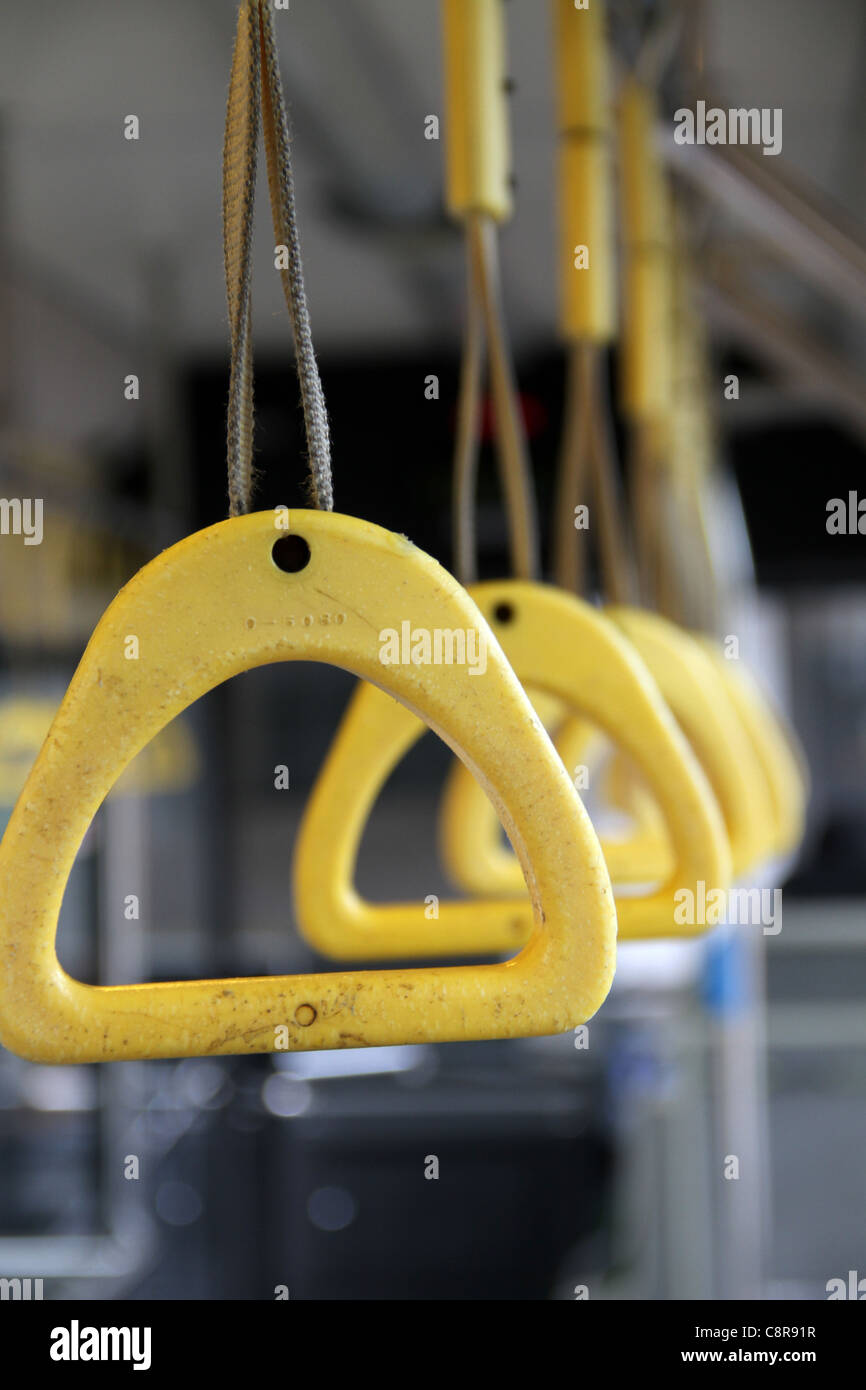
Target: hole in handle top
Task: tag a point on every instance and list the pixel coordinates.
(504, 613)
(290, 554)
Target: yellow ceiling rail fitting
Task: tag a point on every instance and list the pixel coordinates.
(776, 748)
(585, 185)
(555, 643)
(478, 171)
(206, 609)
(701, 706)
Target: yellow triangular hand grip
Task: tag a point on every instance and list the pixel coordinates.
(768, 784)
(775, 747)
(611, 689)
(469, 831)
(643, 853)
(702, 707)
(558, 644)
(728, 730)
(205, 610)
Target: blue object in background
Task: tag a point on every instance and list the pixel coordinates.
(724, 987)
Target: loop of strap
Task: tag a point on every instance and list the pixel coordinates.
(256, 98)
(484, 315)
(588, 474)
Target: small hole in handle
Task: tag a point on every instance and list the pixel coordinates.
(290, 554)
(504, 613)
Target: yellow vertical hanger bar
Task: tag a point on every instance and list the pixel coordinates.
(587, 300)
(477, 155)
(646, 371)
(646, 254)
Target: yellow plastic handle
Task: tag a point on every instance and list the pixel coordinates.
(775, 748)
(647, 275)
(470, 834)
(612, 689)
(587, 296)
(477, 155)
(374, 734)
(587, 299)
(690, 684)
(560, 645)
(206, 609)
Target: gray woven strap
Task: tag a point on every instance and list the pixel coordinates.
(256, 98)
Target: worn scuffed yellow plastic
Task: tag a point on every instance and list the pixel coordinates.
(207, 609)
(558, 644)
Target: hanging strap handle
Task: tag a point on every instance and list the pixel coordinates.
(587, 311)
(478, 195)
(256, 98)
